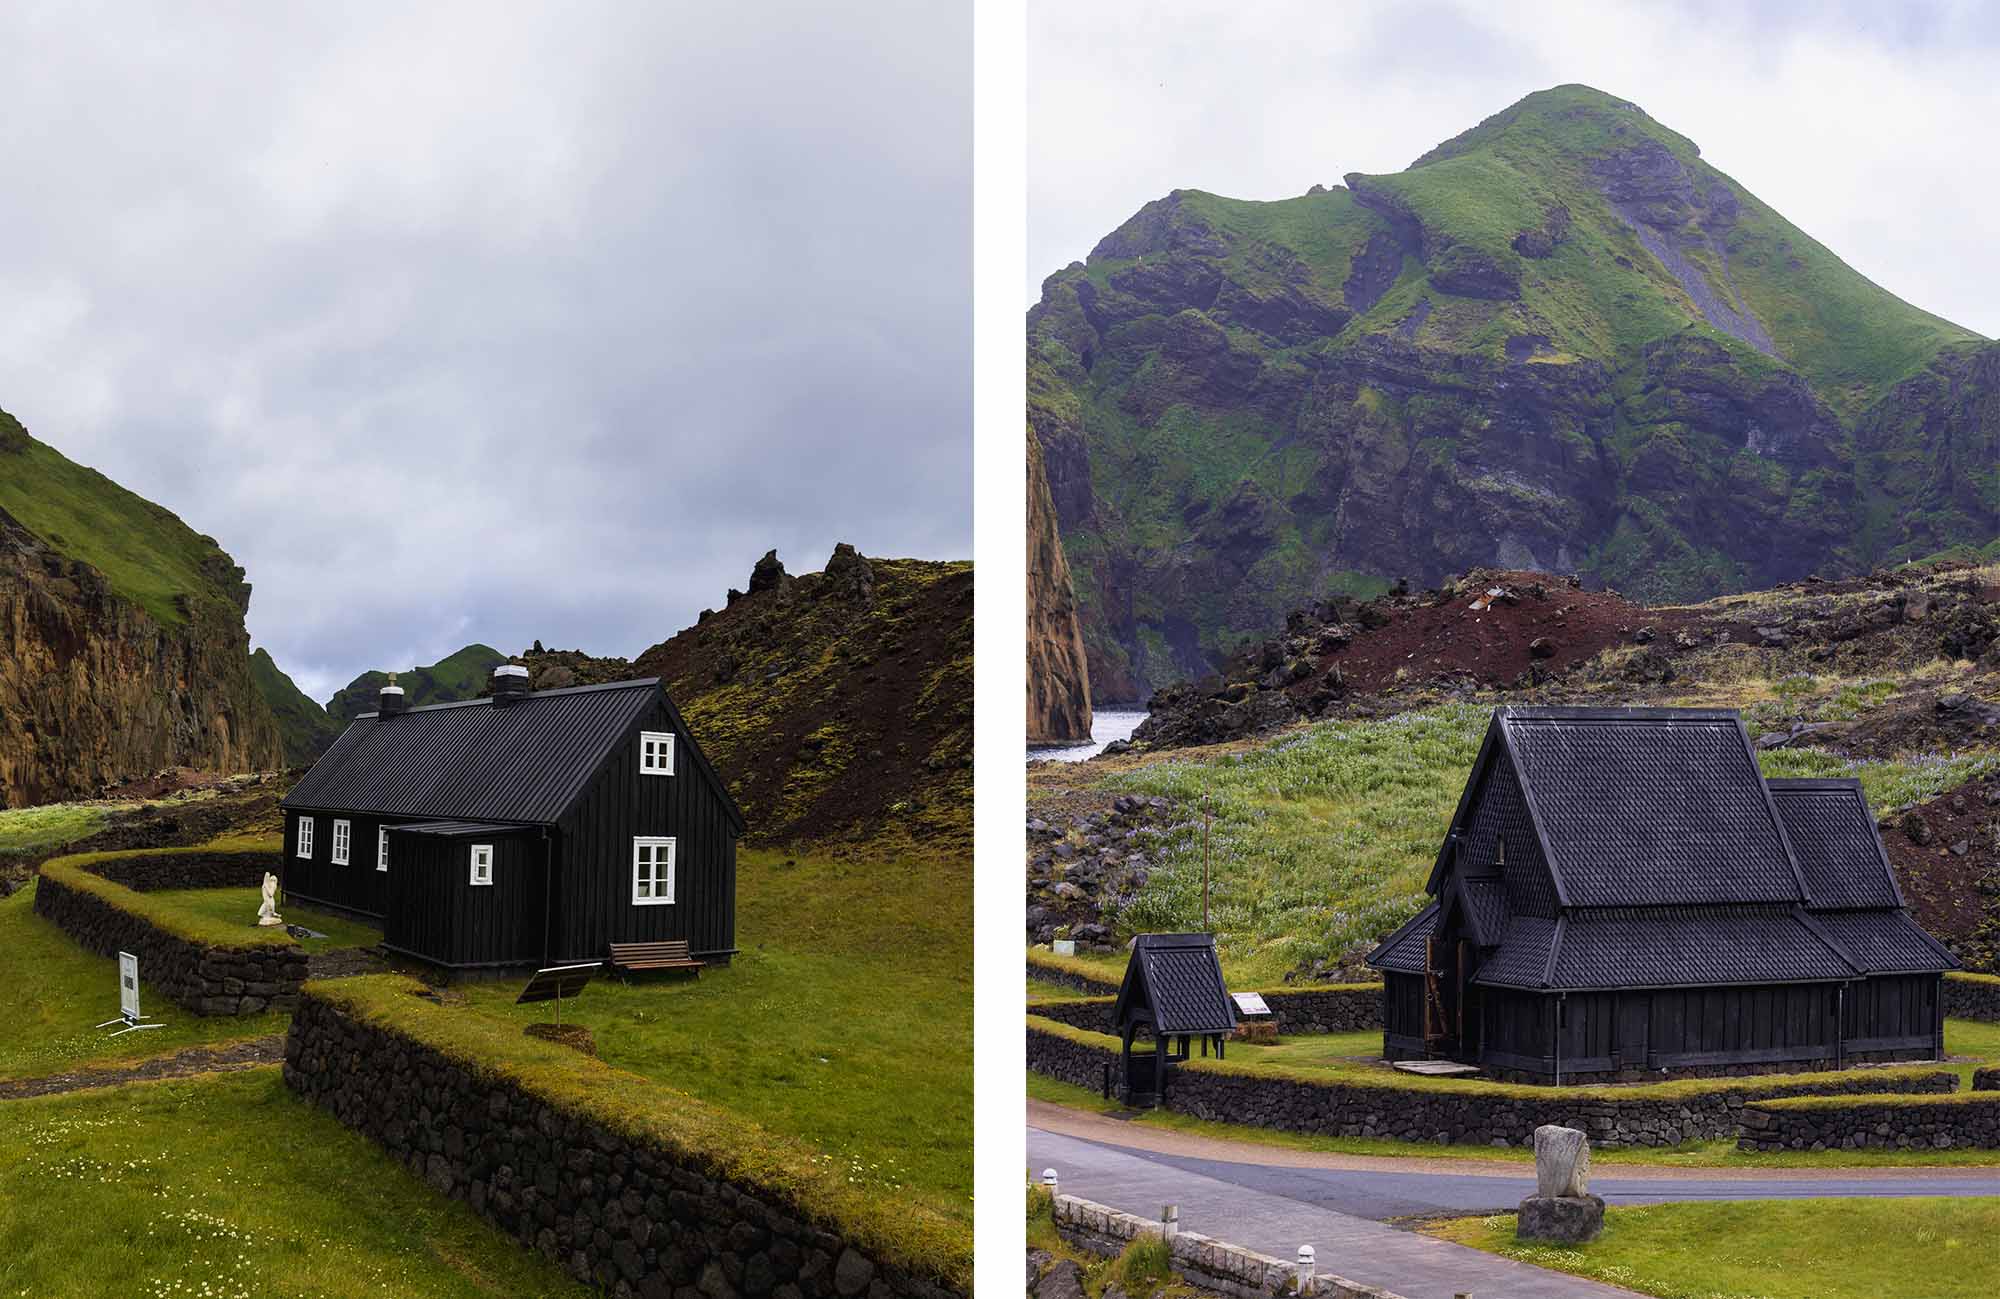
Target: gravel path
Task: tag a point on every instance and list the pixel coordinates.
(179, 1064)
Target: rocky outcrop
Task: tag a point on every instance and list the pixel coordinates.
(95, 688)
(1058, 677)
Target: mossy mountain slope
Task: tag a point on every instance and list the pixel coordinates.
(1560, 340)
(124, 649)
(838, 704)
(305, 726)
(457, 676)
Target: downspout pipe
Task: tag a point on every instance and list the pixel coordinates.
(548, 898)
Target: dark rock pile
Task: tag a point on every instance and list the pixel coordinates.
(1084, 870)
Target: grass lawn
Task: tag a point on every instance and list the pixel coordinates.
(25, 830)
(239, 907)
(229, 1186)
(55, 991)
(1980, 1042)
(1776, 1249)
(846, 1019)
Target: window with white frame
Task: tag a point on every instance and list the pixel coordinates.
(656, 753)
(482, 863)
(652, 872)
(343, 838)
(382, 849)
(305, 836)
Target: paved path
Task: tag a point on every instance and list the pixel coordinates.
(1276, 1223)
(247, 1054)
(1274, 1199)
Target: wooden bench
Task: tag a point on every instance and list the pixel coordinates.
(672, 955)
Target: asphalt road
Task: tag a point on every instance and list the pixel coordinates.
(1273, 1200)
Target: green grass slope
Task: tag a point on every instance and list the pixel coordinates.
(144, 551)
(305, 726)
(230, 1186)
(456, 676)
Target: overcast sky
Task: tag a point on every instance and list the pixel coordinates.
(1869, 126)
(497, 322)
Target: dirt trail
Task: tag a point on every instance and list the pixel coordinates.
(179, 1064)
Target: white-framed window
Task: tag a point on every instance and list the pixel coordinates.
(482, 863)
(656, 753)
(305, 836)
(343, 839)
(652, 872)
(382, 849)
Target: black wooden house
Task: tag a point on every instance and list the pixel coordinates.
(1621, 893)
(531, 827)
(1173, 992)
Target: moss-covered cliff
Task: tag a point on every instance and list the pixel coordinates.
(1058, 677)
(1560, 340)
(122, 647)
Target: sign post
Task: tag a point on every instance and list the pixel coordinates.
(128, 998)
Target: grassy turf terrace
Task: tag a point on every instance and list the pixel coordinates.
(56, 990)
(1919, 1248)
(230, 1187)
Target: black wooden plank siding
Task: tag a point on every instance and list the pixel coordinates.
(594, 879)
(356, 887)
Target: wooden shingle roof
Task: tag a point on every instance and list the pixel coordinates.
(1833, 834)
(1174, 982)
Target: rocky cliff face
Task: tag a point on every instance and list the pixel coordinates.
(94, 689)
(1560, 341)
(1058, 679)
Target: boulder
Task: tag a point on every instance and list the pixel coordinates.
(1560, 1220)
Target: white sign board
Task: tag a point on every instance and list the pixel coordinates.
(1250, 1003)
(128, 985)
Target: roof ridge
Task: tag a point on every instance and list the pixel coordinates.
(633, 684)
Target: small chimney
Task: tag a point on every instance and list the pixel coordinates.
(510, 682)
(392, 700)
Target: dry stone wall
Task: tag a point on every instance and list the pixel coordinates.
(632, 1217)
(1470, 1117)
(1972, 996)
(1970, 1121)
(203, 978)
(1202, 1260)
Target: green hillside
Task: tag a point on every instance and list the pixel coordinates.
(306, 728)
(1559, 340)
(457, 676)
(144, 551)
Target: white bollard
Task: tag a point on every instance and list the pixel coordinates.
(1170, 1222)
(1049, 1181)
(1306, 1258)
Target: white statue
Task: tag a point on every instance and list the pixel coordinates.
(267, 911)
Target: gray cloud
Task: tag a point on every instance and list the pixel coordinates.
(498, 322)
(1866, 125)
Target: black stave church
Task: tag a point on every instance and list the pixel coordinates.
(528, 828)
(1621, 894)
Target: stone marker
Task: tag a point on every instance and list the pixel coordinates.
(1562, 1210)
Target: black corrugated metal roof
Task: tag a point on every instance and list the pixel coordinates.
(1834, 837)
(524, 761)
(1403, 950)
(1650, 806)
(1179, 977)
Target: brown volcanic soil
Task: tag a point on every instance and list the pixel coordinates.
(838, 705)
(1489, 646)
(1947, 889)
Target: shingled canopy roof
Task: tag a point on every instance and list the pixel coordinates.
(1672, 863)
(523, 761)
(1174, 982)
